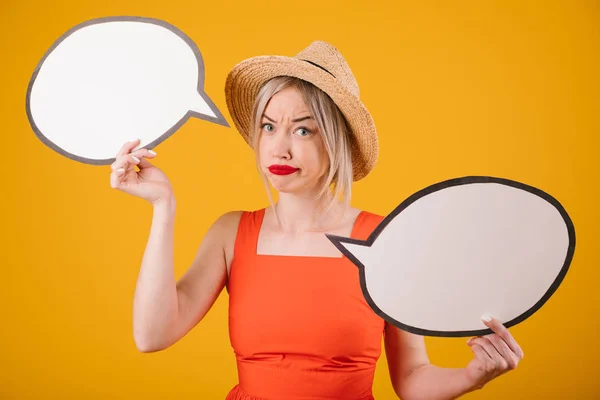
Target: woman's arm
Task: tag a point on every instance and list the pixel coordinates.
(414, 378)
(412, 375)
(163, 310)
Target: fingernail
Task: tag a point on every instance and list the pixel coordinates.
(135, 158)
(152, 152)
(486, 318)
(134, 140)
(120, 170)
(469, 341)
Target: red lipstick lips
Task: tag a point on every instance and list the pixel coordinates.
(282, 169)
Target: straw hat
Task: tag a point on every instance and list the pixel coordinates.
(322, 65)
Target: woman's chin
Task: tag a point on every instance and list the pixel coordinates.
(284, 184)
(283, 188)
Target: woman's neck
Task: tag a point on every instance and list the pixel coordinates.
(298, 213)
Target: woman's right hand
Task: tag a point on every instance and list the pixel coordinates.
(149, 183)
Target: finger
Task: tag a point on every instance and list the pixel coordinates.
(511, 358)
(497, 327)
(489, 348)
(139, 153)
(481, 353)
(484, 357)
(126, 162)
(127, 147)
(116, 178)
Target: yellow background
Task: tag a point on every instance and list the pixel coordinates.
(506, 89)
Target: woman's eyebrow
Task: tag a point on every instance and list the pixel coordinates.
(294, 120)
(302, 118)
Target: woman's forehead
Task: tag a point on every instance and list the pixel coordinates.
(288, 102)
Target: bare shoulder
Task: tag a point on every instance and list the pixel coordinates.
(227, 224)
(229, 221)
(352, 213)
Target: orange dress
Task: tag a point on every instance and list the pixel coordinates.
(300, 326)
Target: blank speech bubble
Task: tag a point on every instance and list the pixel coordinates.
(460, 249)
(112, 80)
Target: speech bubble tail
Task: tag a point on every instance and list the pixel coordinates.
(355, 250)
(202, 107)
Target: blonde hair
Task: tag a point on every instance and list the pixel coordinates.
(333, 129)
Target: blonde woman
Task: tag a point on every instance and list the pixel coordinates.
(298, 322)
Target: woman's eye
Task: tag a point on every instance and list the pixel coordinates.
(303, 131)
(268, 127)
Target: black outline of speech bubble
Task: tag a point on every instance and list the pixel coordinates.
(337, 240)
(219, 119)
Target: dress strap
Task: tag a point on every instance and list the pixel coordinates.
(246, 241)
(365, 224)
(247, 233)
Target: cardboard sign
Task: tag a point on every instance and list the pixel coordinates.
(112, 80)
(461, 249)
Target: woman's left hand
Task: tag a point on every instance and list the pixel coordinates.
(495, 354)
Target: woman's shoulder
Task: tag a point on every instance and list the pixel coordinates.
(227, 226)
(366, 223)
(371, 215)
(230, 220)
(229, 223)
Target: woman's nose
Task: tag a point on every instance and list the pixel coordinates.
(281, 145)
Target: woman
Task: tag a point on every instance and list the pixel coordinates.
(299, 324)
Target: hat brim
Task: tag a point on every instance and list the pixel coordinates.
(247, 78)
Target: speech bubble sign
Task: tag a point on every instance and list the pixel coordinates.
(460, 249)
(111, 80)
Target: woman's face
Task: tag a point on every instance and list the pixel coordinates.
(290, 138)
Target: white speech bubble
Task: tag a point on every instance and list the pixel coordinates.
(111, 80)
(460, 249)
